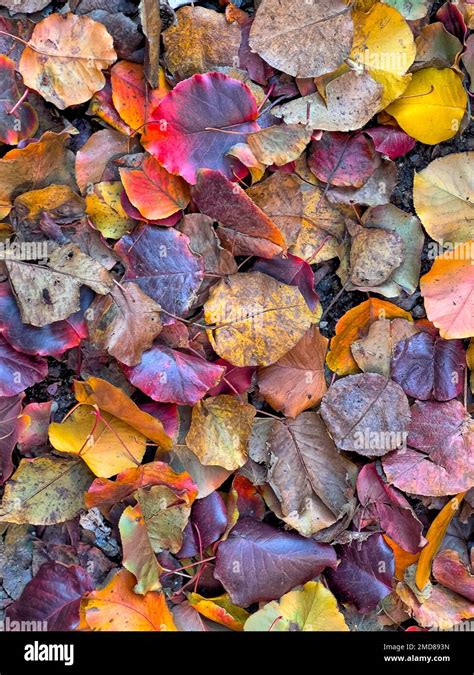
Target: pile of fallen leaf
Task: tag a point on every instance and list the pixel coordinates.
(190, 196)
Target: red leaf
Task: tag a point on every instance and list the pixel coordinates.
(391, 141)
(293, 271)
(244, 228)
(170, 376)
(345, 160)
(382, 504)
(193, 123)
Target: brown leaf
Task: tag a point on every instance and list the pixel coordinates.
(151, 25)
(373, 353)
(279, 144)
(296, 382)
(375, 254)
(125, 322)
(303, 39)
(313, 482)
(201, 40)
(367, 414)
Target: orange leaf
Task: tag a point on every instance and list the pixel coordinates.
(435, 536)
(448, 291)
(131, 96)
(403, 559)
(353, 326)
(65, 57)
(114, 401)
(221, 610)
(117, 608)
(153, 191)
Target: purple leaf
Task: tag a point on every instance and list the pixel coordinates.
(10, 409)
(54, 339)
(209, 517)
(258, 562)
(364, 575)
(428, 367)
(237, 379)
(53, 596)
(160, 261)
(19, 371)
(170, 376)
(293, 271)
(385, 505)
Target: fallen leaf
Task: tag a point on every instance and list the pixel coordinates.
(355, 324)
(45, 491)
(385, 55)
(436, 47)
(48, 294)
(220, 609)
(219, 432)
(375, 254)
(449, 571)
(160, 261)
(343, 159)
(410, 9)
(92, 158)
(439, 459)
(319, 488)
(10, 416)
(199, 41)
(435, 535)
(432, 106)
(138, 555)
(442, 195)
(209, 519)
(258, 562)
(387, 507)
(23, 122)
(26, 6)
(131, 96)
(153, 191)
(310, 224)
(448, 292)
(65, 57)
(19, 371)
(255, 319)
(105, 493)
(125, 322)
(441, 611)
(150, 17)
(373, 353)
(117, 608)
(35, 166)
(391, 141)
(351, 100)
(199, 140)
(34, 423)
(364, 574)
(105, 210)
(367, 414)
(296, 381)
(172, 376)
(53, 597)
(428, 367)
(279, 144)
(243, 228)
(311, 609)
(303, 41)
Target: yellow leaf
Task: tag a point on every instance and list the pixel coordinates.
(220, 430)
(256, 319)
(432, 106)
(435, 536)
(220, 609)
(310, 609)
(443, 194)
(105, 210)
(385, 48)
(106, 444)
